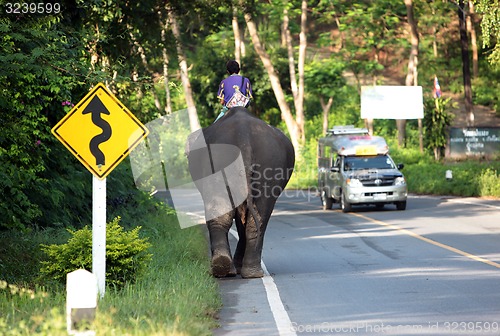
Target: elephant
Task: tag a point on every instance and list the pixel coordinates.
(240, 165)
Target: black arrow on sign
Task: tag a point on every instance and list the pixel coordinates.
(95, 108)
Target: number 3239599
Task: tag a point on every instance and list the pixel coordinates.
(32, 8)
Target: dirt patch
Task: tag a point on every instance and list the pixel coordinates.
(483, 116)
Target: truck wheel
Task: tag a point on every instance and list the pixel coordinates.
(344, 205)
(327, 201)
(401, 205)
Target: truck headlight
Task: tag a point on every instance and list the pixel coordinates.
(400, 181)
(354, 182)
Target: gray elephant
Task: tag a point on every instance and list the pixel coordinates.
(240, 165)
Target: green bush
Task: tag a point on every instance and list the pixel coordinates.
(126, 256)
(489, 183)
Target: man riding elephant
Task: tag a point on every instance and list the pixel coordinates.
(240, 165)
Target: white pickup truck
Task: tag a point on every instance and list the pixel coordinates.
(356, 168)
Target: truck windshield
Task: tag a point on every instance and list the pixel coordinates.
(368, 162)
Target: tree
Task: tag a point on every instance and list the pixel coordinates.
(297, 89)
(464, 46)
(412, 74)
(166, 60)
(471, 28)
(295, 125)
(238, 41)
(325, 80)
(188, 93)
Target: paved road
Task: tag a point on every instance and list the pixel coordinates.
(432, 269)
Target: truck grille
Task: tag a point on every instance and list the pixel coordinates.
(378, 182)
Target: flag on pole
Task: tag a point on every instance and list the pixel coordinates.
(437, 89)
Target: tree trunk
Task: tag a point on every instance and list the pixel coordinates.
(464, 44)
(237, 36)
(473, 39)
(434, 35)
(286, 114)
(341, 33)
(291, 59)
(297, 90)
(242, 43)
(412, 74)
(194, 123)
(301, 66)
(168, 99)
(326, 109)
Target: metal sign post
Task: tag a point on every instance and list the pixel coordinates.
(99, 232)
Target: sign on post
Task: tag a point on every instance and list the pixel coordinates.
(474, 141)
(100, 131)
(392, 102)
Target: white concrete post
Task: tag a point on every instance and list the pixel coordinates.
(81, 300)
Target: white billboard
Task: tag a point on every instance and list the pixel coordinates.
(392, 102)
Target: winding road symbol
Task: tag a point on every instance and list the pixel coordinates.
(96, 108)
(100, 131)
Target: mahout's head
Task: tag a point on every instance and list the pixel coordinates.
(232, 67)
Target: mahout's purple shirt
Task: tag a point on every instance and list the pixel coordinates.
(227, 87)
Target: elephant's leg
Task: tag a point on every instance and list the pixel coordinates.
(254, 230)
(240, 247)
(263, 207)
(251, 265)
(222, 263)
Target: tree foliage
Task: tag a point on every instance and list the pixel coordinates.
(490, 24)
(40, 70)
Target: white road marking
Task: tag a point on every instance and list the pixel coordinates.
(473, 203)
(281, 318)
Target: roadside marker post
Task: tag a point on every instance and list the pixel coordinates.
(81, 301)
(100, 132)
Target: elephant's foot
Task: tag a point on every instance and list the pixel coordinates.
(251, 272)
(222, 266)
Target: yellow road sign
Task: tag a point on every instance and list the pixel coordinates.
(100, 131)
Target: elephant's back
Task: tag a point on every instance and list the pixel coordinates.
(265, 144)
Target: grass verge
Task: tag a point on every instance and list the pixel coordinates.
(176, 296)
